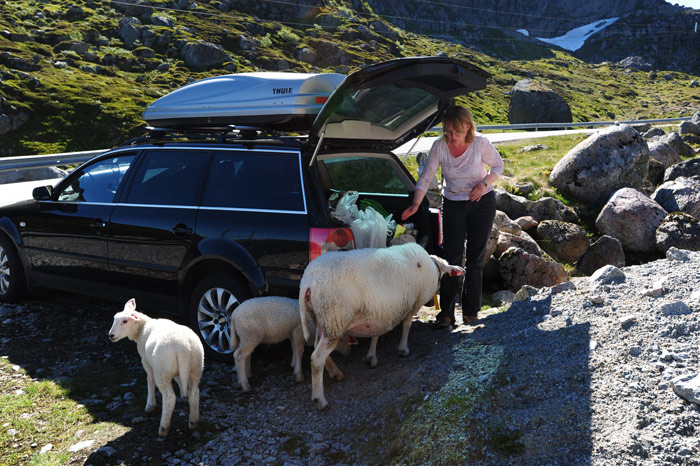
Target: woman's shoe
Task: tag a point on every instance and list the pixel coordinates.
(442, 323)
(470, 319)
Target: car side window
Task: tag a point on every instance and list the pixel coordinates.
(254, 180)
(97, 182)
(169, 177)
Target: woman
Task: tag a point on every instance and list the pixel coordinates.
(468, 207)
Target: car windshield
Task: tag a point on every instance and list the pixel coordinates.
(366, 175)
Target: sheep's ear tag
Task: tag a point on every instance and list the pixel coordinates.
(456, 272)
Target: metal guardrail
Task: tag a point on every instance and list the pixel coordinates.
(72, 158)
(49, 160)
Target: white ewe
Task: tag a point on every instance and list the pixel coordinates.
(270, 319)
(365, 293)
(168, 351)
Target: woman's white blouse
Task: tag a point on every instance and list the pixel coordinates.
(461, 173)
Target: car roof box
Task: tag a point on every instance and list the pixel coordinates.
(269, 100)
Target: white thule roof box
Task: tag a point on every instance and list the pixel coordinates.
(271, 100)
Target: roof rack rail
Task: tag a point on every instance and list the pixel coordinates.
(212, 134)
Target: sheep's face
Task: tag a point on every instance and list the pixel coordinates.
(124, 322)
(445, 268)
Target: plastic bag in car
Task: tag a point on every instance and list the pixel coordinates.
(370, 228)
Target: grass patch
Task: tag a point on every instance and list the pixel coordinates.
(39, 413)
(440, 430)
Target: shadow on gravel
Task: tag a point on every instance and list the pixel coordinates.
(506, 392)
(539, 411)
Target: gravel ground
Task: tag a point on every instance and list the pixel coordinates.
(582, 374)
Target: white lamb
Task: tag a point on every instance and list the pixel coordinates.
(365, 293)
(270, 319)
(168, 351)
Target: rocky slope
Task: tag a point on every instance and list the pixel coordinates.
(660, 33)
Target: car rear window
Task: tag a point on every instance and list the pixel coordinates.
(255, 180)
(367, 175)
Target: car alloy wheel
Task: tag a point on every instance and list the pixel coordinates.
(12, 285)
(5, 272)
(213, 302)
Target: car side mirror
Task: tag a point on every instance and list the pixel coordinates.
(42, 193)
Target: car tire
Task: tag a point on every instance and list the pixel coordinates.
(213, 300)
(12, 283)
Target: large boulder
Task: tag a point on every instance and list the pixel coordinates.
(680, 231)
(680, 195)
(564, 241)
(678, 144)
(610, 159)
(521, 241)
(546, 208)
(203, 54)
(686, 168)
(662, 152)
(535, 103)
(632, 218)
(518, 267)
(606, 250)
(689, 127)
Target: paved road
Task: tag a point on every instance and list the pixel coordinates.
(424, 144)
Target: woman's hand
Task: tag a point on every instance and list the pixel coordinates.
(412, 209)
(477, 191)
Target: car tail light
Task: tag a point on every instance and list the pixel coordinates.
(329, 239)
(436, 211)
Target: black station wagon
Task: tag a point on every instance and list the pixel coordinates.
(215, 205)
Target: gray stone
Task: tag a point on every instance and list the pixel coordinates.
(606, 275)
(518, 267)
(680, 195)
(203, 54)
(564, 241)
(606, 250)
(678, 230)
(686, 168)
(679, 308)
(632, 218)
(608, 160)
(535, 103)
(664, 153)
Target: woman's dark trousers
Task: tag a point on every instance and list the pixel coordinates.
(470, 221)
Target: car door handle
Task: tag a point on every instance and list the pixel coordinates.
(182, 230)
(98, 224)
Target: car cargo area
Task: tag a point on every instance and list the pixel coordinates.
(359, 186)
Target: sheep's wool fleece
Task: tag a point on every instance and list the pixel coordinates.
(374, 285)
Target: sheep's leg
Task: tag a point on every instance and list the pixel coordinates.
(168, 394)
(183, 394)
(323, 349)
(151, 387)
(242, 367)
(297, 353)
(333, 370)
(403, 344)
(371, 357)
(193, 397)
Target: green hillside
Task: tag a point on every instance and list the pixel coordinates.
(69, 80)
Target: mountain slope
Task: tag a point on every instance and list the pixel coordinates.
(76, 75)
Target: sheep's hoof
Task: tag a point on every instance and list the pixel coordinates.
(320, 403)
(193, 425)
(371, 361)
(339, 376)
(403, 353)
(245, 388)
(162, 433)
(150, 408)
